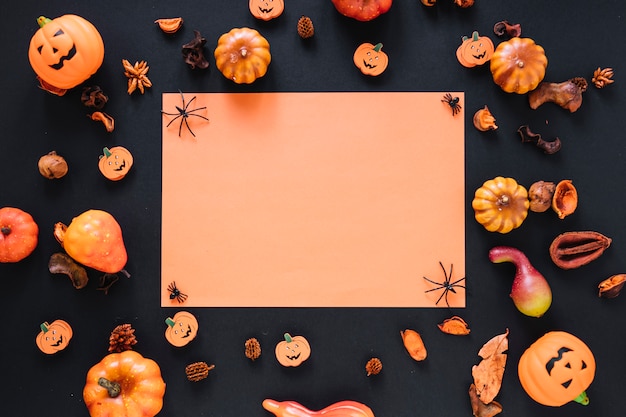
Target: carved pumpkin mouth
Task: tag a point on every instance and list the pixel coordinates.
(293, 357)
(58, 342)
(187, 333)
(368, 65)
(480, 56)
(122, 166)
(266, 11)
(67, 57)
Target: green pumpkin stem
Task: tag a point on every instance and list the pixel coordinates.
(42, 20)
(582, 398)
(378, 47)
(170, 322)
(113, 388)
(475, 36)
(106, 152)
(44, 326)
(288, 338)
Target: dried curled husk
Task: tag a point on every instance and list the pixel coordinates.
(565, 199)
(483, 120)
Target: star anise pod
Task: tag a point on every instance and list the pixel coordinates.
(137, 75)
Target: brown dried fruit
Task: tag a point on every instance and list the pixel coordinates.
(612, 286)
(170, 25)
(252, 348)
(489, 372)
(373, 366)
(305, 27)
(568, 94)
(548, 147)
(480, 409)
(122, 338)
(108, 121)
(94, 97)
(483, 120)
(52, 165)
(602, 77)
(60, 263)
(565, 199)
(571, 250)
(414, 344)
(540, 195)
(455, 325)
(197, 371)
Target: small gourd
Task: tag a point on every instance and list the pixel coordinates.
(242, 55)
(518, 65)
(501, 204)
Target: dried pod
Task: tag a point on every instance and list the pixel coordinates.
(429, 3)
(52, 165)
(464, 3)
(94, 97)
(602, 77)
(373, 366)
(568, 94)
(122, 338)
(565, 199)
(108, 121)
(540, 195)
(612, 286)
(483, 120)
(197, 371)
(305, 27)
(504, 29)
(548, 147)
(170, 25)
(60, 263)
(455, 325)
(252, 349)
(414, 344)
(571, 250)
(193, 52)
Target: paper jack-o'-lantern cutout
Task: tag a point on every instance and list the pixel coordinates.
(266, 9)
(54, 337)
(181, 329)
(474, 51)
(557, 369)
(370, 59)
(115, 162)
(293, 350)
(65, 51)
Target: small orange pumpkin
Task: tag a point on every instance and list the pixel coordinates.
(19, 234)
(65, 51)
(474, 51)
(181, 329)
(293, 350)
(124, 385)
(370, 59)
(266, 9)
(242, 55)
(53, 337)
(518, 65)
(501, 204)
(115, 163)
(557, 369)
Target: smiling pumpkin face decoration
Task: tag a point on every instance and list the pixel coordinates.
(370, 59)
(266, 9)
(181, 329)
(64, 52)
(475, 51)
(293, 350)
(115, 163)
(54, 337)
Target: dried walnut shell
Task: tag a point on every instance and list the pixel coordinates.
(571, 250)
(612, 286)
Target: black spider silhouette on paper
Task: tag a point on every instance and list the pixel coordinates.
(184, 113)
(175, 293)
(453, 102)
(447, 285)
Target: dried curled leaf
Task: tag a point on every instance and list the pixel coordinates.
(489, 372)
(454, 325)
(479, 409)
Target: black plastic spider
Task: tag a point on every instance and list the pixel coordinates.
(446, 285)
(175, 293)
(453, 102)
(185, 113)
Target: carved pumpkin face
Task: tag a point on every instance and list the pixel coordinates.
(370, 59)
(293, 350)
(557, 369)
(54, 337)
(181, 329)
(474, 51)
(115, 163)
(266, 9)
(65, 51)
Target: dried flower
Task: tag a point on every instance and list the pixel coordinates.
(122, 338)
(137, 76)
(94, 97)
(193, 52)
(602, 77)
(373, 366)
(253, 349)
(305, 27)
(197, 371)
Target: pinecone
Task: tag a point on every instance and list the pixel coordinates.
(305, 27)
(197, 371)
(373, 366)
(122, 338)
(253, 348)
(602, 77)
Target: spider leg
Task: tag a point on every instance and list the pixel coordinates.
(444, 293)
(437, 283)
(434, 289)
(168, 125)
(182, 96)
(197, 115)
(187, 124)
(180, 126)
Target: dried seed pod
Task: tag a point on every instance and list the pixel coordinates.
(602, 77)
(122, 338)
(170, 25)
(540, 195)
(305, 27)
(414, 344)
(483, 120)
(568, 94)
(252, 349)
(612, 286)
(571, 250)
(61, 263)
(373, 366)
(193, 52)
(565, 199)
(52, 165)
(197, 371)
(455, 325)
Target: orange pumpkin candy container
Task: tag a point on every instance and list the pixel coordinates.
(370, 59)
(65, 51)
(556, 369)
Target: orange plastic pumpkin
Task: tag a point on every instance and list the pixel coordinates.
(266, 9)
(94, 239)
(65, 51)
(518, 65)
(557, 369)
(54, 337)
(19, 234)
(242, 55)
(181, 329)
(345, 408)
(115, 163)
(474, 51)
(501, 204)
(124, 385)
(370, 59)
(293, 350)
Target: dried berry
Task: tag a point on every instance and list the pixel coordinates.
(373, 366)
(52, 165)
(122, 338)
(305, 27)
(197, 371)
(253, 348)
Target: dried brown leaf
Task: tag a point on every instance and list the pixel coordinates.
(480, 409)
(489, 372)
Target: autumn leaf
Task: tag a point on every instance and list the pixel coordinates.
(489, 372)
(479, 409)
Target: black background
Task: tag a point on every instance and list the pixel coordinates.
(578, 37)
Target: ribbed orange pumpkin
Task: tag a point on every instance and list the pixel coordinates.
(518, 65)
(501, 204)
(242, 55)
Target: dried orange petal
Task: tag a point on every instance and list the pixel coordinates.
(454, 325)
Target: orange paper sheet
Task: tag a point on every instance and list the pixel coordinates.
(313, 200)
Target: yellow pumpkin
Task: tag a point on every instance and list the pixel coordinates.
(518, 65)
(501, 204)
(242, 55)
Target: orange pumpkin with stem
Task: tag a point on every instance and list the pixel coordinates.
(242, 55)
(266, 9)
(53, 337)
(293, 350)
(518, 65)
(370, 59)
(19, 234)
(65, 51)
(501, 204)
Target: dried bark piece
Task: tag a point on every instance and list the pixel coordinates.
(612, 286)
(61, 263)
(122, 338)
(455, 325)
(571, 250)
(602, 77)
(414, 344)
(252, 348)
(198, 371)
(373, 366)
(489, 372)
(505, 29)
(480, 409)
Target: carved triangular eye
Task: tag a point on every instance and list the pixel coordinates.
(568, 365)
(59, 32)
(566, 384)
(583, 365)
